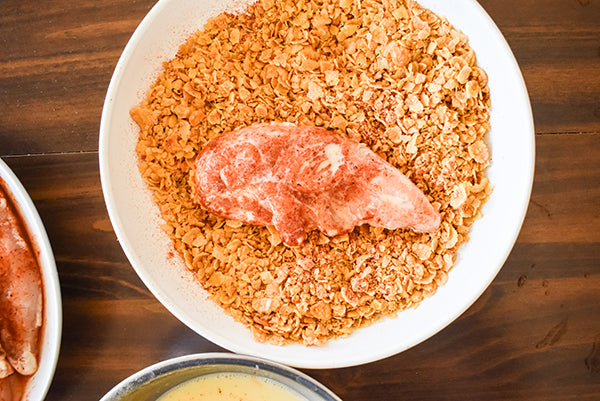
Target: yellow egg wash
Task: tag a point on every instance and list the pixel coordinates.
(230, 387)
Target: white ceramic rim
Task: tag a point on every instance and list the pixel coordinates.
(466, 15)
(39, 384)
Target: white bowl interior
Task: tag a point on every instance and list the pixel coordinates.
(38, 385)
(136, 219)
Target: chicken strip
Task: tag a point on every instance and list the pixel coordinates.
(6, 368)
(303, 178)
(20, 293)
(12, 388)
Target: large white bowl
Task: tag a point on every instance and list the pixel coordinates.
(38, 385)
(136, 219)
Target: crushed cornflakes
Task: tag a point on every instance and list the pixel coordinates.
(386, 72)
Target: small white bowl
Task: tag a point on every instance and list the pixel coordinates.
(150, 383)
(136, 219)
(38, 385)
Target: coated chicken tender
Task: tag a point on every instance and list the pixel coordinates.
(303, 178)
(20, 295)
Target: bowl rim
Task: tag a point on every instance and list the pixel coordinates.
(51, 336)
(355, 358)
(170, 365)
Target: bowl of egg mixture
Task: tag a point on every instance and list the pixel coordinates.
(219, 377)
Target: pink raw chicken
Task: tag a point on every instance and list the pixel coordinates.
(303, 178)
(20, 298)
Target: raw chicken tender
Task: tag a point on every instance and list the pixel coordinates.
(20, 297)
(303, 178)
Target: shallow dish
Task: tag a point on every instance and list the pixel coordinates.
(38, 385)
(136, 219)
(153, 381)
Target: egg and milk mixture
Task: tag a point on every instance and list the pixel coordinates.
(230, 387)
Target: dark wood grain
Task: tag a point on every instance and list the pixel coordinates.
(557, 46)
(56, 61)
(533, 335)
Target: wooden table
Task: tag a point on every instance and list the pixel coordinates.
(533, 335)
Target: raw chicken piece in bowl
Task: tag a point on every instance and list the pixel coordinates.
(32, 317)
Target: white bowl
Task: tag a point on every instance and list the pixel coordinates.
(136, 219)
(38, 385)
(150, 383)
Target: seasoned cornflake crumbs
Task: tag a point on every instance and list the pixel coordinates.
(388, 73)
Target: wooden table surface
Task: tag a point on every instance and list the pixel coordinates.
(533, 335)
